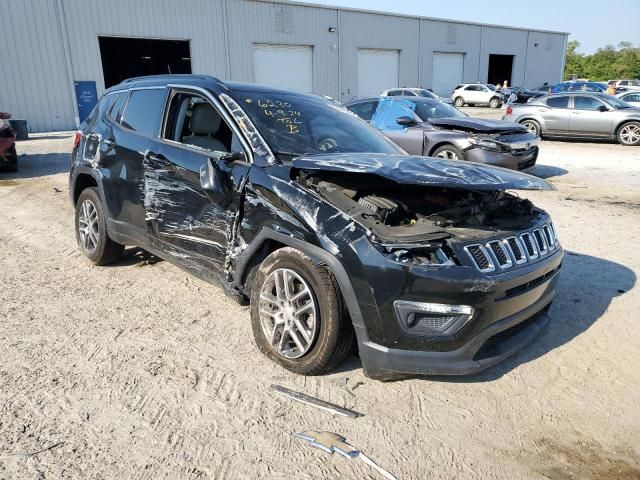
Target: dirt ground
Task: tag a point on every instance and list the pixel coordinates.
(138, 370)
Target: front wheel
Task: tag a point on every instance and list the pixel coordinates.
(12, 164)
(459, 102)
(91, 229)
(494, 102)
(532, 126)
(297, 314)
(629, 134)
(448, 152)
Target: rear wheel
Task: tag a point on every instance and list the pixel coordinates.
(459, 102)
(532, 126)
(448, 152)
(629, 134)
(297, 314)
(494, 102)
(91, 229)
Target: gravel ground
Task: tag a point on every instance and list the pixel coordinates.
(138, 370)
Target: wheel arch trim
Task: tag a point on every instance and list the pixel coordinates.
(336, 268)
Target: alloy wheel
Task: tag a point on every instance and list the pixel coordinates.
(88, 226)
(447, 154)
(531, 127)
(630, 134)
(288, 313)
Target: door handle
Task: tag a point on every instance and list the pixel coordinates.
(156, 160)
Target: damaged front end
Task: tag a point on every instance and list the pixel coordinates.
(448, 258)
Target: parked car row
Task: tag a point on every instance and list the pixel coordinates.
(332, 233)
(579, 115)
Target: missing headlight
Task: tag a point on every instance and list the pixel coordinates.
(421, 256)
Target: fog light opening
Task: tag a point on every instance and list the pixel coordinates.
(432, 318)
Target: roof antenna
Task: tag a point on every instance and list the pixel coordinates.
(169, 68)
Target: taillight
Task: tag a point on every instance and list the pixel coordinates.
(509, 110)
(76, 140)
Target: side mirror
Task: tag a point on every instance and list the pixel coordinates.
(603, 108)
(214, 182)
(405, 121)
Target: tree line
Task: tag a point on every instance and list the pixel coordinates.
(608, 63)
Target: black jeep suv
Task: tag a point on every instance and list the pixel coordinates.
(330, 231)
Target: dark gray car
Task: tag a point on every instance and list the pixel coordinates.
(422, 126)
(579, 115)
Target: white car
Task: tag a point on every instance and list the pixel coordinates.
(627, 84)
(476, 94)
(632, 97)
(412, 92)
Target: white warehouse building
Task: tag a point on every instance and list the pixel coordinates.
(58, 56)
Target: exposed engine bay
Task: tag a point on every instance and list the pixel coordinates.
(409, 213)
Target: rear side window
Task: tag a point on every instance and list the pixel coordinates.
(144, 111)
(591, 88)
(632, 97)
(364, 110)
(558, 102)
(115, 113)
(394, 93)
(98, 112)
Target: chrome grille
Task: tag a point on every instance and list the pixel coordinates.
(504, 253)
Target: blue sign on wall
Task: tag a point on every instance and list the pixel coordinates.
(87, 97)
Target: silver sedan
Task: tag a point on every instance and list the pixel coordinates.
(579, 115)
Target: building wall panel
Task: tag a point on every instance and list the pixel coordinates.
(256, 22)
(452, 38)
(367, 30)
(33, 79)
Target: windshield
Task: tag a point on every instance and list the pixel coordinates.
(294, 125)
(616, 102)
(426, 110)
(491, 87)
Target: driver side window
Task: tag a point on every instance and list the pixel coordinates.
(388, 112)
(193, 121)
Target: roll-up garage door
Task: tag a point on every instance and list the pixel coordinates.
(447, 72)
(284, 66)
(377, 71)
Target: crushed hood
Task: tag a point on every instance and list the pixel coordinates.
(430, 171)
(477, 125)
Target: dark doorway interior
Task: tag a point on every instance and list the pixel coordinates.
(124, 58)
(500, 68)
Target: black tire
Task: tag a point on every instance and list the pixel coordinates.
(628, 134)
(334, 337)
(532, 126)
(459, 102)
(494, 102)
(448, 152)
(106, 250)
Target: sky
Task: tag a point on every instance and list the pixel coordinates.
(604, 23)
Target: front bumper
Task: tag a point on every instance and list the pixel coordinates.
(510, 310)
(514, 160)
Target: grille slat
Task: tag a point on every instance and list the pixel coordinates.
(529, 246)
(548, 234)
(540, 241)
(480, 258)
(516, 250)
(500, 253)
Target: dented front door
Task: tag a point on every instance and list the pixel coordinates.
(183, 218)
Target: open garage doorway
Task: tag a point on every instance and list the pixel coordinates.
(124, 58)
(500, 69)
